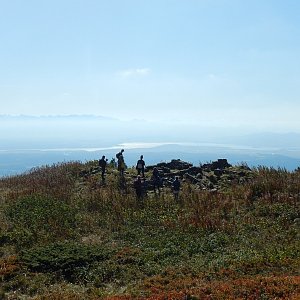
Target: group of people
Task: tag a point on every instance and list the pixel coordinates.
(139, 183)
(120, 164)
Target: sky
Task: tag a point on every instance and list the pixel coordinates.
(226, 63)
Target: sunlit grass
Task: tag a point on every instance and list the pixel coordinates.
(66, 235)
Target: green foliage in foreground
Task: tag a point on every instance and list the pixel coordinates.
(37, 219)
(65, 258)
(104, 242)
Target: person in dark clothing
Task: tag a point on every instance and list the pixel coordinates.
(138, 186)
(176, 187)
(156, 179)
(102, 165)
(119, 154)
(140, 166)
(121, 162)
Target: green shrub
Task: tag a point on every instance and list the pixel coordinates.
(37, 219)
(65, 258)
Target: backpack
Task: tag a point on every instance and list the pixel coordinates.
(102, 163)
(140, 164)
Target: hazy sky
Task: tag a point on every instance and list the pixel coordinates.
(217, 62)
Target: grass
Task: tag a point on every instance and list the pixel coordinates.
(67, 236)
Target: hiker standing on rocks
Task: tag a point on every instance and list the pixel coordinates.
(102, 165)
(121, 163)
(140, 166)
(176, 188)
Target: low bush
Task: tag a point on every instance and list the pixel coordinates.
(65, 258)
(38, 219)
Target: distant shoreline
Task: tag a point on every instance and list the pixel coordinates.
(17, 161)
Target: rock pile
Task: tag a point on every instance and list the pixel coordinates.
(211, 176)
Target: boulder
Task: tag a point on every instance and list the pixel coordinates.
(192, 178)
(194, 170)
(175, 164)
(220, 164)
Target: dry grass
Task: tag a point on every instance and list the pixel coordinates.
(238, 243)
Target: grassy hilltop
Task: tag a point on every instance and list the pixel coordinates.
(63, 235)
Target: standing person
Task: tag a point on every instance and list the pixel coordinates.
(102, 165)
(121, 163)
(156, 179)
(176, 188)
(138, 186)
(140, 166)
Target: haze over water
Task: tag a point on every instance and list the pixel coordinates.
(97, 74)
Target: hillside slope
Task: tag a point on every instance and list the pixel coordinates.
(66, 235)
